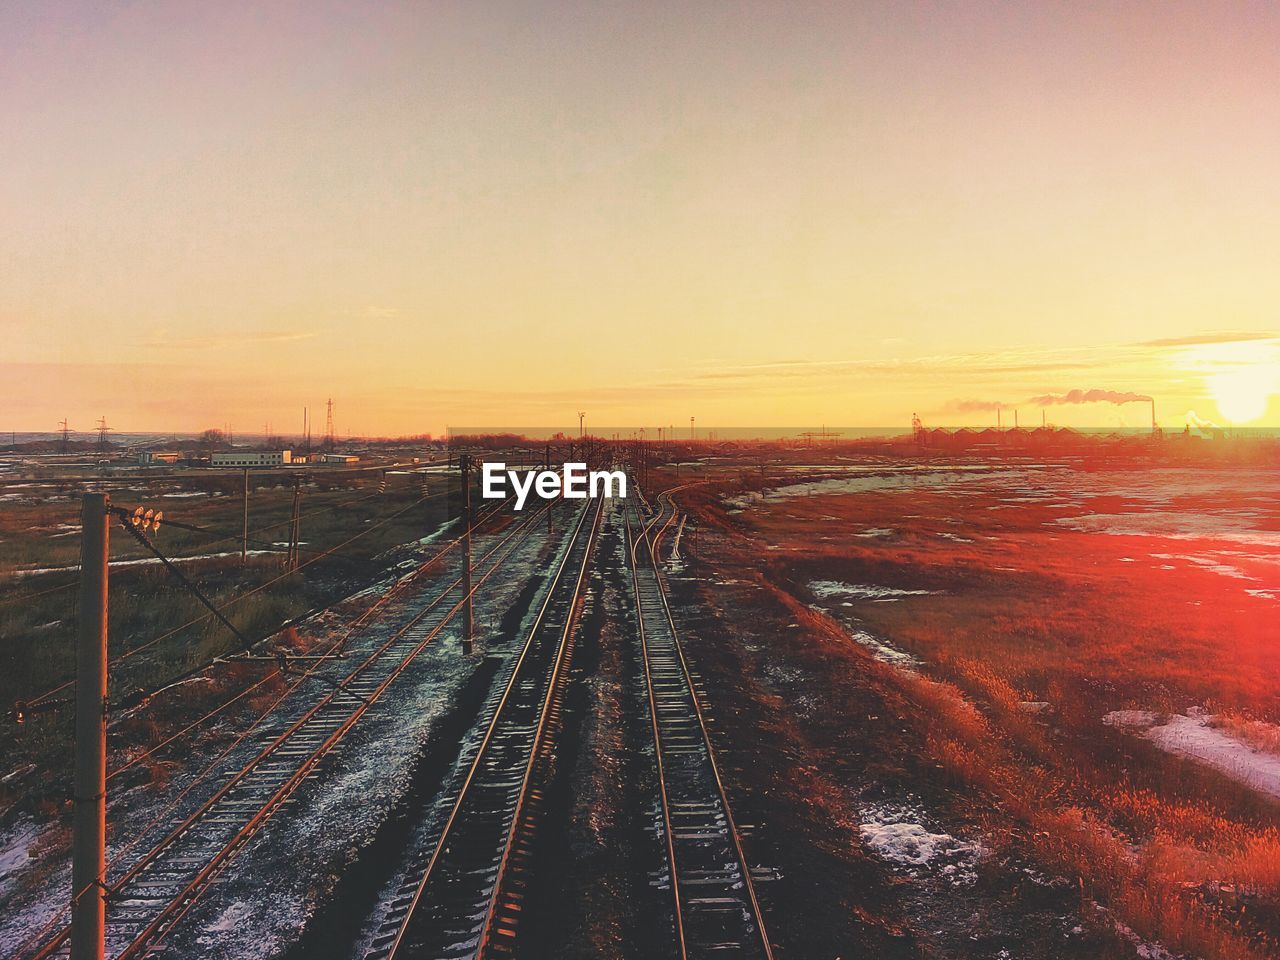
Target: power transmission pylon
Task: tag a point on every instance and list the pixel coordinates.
(103, 430)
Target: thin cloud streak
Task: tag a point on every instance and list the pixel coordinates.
(229, 340)
(1201, 339)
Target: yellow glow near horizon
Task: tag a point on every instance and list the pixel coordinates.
(1248, 378)
(754, 213)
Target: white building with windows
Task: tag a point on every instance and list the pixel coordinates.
(246, 458)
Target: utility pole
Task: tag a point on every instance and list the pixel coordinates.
(294, 524)
(582, 414)
(244, 543)
(89, 829)
(468, 611)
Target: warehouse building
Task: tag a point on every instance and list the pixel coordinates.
(150, 458)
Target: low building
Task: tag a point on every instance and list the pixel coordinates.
(149, 458)
(338, 458)
(246, 458)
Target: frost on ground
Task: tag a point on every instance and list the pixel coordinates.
(894, 834)
(880, 649)
(15, 851)
(1194, 736)
(826, 589)
(883, 651)
(863, 479)
(140, 562)
(1144, 949)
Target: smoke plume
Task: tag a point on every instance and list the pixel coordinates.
(1199, 422)
(974, 406)
(1090, 396)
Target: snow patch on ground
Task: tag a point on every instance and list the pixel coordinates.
(1175, 525)
(1143, 948)
(1194, 737)
(883, 651)
(15, 851)
(141, 562)
(863, 479)
(440, 531)
(1206, 563)
(894, 834)
(826, 589)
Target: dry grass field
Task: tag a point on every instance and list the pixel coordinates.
(1089, 652)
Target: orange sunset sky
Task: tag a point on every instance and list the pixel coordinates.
(756, 213)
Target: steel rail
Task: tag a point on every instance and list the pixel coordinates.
(667, 833)
(554, 688)
(688, 692)
(223, 855)
(181, 905)
(405, 921)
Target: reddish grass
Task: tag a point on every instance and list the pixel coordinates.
(1030, 609)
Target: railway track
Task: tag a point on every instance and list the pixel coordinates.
(157, 891)
(462, 892)
(716, 910)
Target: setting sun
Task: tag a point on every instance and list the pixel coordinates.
(1242, 394)
(1240, 377)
